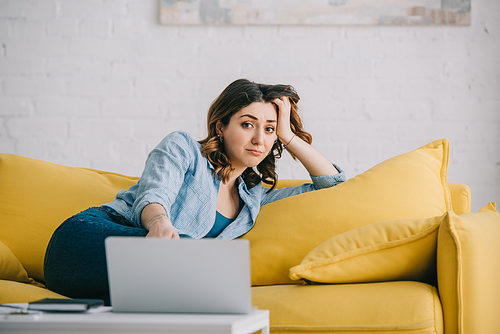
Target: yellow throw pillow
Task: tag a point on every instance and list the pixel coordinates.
(37, 196)
(411, 185)
(468, 267)
(10, 267)
(391, 250)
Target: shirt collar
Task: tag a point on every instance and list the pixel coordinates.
(242, 185)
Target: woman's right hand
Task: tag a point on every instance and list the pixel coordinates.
(154, 219)
(162, 228)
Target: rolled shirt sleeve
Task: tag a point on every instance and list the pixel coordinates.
(319, 182)
(327, 181)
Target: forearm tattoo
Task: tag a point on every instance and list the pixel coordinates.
(156, 218)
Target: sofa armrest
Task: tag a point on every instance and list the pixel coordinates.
(468, 265)
(460, 198)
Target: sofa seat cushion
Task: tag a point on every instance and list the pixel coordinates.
(411, 185)
(16, 292)
(37, 196)
(389, 307)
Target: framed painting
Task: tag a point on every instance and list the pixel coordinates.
(315, 12)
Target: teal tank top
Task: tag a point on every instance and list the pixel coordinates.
(221, 223)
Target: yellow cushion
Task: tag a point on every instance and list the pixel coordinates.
(37, 196)
(10, 267)
(469, 271)
(411, 185)
(402, 249)
(389, 307)
(16, 292)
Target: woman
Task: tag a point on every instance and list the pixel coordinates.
(211, 188)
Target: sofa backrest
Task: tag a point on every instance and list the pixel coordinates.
(37, 196)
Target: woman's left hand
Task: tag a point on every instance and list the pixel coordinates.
(284, 131)
(315, 162)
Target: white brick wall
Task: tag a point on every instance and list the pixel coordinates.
(98, 83)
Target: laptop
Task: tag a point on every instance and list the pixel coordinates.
(179, 276)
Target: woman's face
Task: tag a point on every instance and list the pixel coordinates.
(250, 135)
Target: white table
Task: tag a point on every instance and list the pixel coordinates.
(110, 322)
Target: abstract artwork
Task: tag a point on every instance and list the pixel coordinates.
(315, 12)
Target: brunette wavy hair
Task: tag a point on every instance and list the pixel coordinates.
(240, 94)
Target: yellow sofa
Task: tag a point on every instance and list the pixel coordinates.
(392, 250)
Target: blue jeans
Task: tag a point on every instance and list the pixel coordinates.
(75, 260)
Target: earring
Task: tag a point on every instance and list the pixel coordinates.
(221, 139)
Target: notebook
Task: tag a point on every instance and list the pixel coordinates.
(179, 276)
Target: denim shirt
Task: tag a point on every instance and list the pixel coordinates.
(178, 177)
